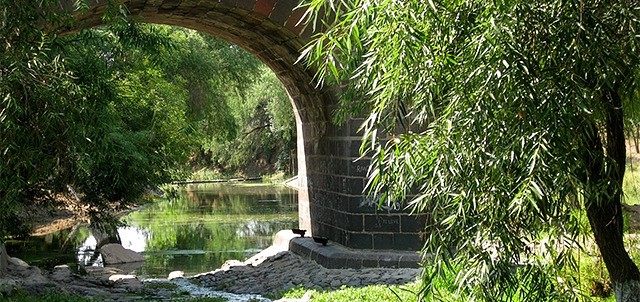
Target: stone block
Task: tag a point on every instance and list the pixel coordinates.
(362, 204)
(282, 10)
(337, 130)
(360, 241)
(340, 203)
(383, 241)
(413, 223)
(354, 222)
(246, 4)
(341, 166)
(354, 148)
(388, 262)
(382, 223)
(169, 4)
(352, 185)
(264, 7)
(354, 126)
(408, 261)
(295, 22)
(61, 273)
(359, 167)
(408, 241)
(230, 3)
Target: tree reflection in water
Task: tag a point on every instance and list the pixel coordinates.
(196, 231)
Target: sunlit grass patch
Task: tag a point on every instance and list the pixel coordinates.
(372, 293)
(206, 174)
(631, 185)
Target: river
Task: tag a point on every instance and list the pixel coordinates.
(195, 231)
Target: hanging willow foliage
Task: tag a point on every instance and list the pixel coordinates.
(500, 121)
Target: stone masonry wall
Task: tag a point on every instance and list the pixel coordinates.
(338, 207)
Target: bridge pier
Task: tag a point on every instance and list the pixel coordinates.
(333, 204)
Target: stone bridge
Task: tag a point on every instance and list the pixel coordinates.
(331, 203)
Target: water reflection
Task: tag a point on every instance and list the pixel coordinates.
(200, 229)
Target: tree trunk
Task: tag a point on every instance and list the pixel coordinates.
(636, 138)
(3, 260)
(605, 208)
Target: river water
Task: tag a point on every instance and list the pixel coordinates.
(196, 231)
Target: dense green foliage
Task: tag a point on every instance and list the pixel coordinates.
(105, 114)
(503, 121)
(35, 89)
(266, 133)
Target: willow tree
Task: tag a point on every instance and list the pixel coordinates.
(501, 119)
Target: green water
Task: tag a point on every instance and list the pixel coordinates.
(195, 232)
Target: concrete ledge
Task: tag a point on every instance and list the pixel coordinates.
(334, 255)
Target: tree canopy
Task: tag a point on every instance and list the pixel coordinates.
(501, 119)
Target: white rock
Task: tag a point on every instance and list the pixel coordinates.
(305, 298)
(121, 277)
(175, 274)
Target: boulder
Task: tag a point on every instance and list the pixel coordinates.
(128, 268)
(7, 286)
(101, 273)
(20, 269)
(114, 253)
(17, 263)
(131, 285)
(61, 273)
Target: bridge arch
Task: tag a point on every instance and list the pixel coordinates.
(331, 203)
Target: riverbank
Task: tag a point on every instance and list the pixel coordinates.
(268, 273)
(66, 214)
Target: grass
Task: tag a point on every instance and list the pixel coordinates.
(592, 274)
(207, 174)
(372, 293)
(630, 183)
(375, 293)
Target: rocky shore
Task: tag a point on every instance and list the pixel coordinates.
(286, 270)
(272, 271)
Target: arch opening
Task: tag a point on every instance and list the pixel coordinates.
(331, 176)
(270, 30)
